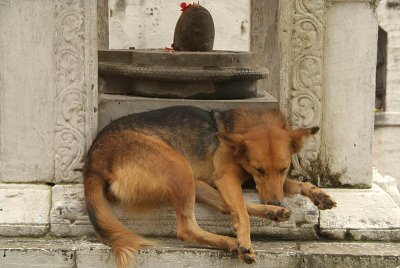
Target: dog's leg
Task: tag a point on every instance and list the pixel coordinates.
(229, 185)
(189, 230)
(183, 200)
(315, 194)
(270, 212)
(210, 196)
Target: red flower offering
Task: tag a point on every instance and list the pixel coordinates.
(185, 6)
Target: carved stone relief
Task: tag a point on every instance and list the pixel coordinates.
(305, 78)
(76, 85)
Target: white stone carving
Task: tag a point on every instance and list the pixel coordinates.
(76, 85)
(306, 81)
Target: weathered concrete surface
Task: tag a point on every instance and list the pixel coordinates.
(173, 253)
(349, 75)
(69, 218)
(24, 209)
(17, 253)
(348, 254)
(112, 107)
(369, 214)
(68, 212)
(151, 23)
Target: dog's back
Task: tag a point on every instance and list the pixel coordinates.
(189, 130)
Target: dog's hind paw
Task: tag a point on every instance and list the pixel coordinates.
(247, 255)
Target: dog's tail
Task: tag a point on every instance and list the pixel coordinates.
(107, 227)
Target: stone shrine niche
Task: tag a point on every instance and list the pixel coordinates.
(286, 36)
(141, 62)
(381, 64)
(298, 42)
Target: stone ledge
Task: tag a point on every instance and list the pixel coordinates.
(24, 209)
(68, 218)
(174, 253)
(367, 214)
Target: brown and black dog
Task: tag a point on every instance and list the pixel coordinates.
(178, 154)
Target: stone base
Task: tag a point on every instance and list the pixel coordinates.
(368, 214)
(68, 218)
(24, 209)
(112, 107)
(170, 253)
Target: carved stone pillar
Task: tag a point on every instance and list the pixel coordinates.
(303, 26)
(75, 84)
(328, 53)
(48, 106)
(48, 84)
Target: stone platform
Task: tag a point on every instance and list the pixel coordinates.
(174, 253)
(59, 211)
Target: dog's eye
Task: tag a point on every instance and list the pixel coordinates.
(261, 171)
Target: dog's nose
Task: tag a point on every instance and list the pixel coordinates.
(274, 203)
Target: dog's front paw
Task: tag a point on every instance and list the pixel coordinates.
(247, 255)
(279, 214)
(317, 196)
(324, 201)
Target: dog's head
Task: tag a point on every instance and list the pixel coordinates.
(266, 152)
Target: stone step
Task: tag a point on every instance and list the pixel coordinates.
(114, 106)
(24, 252)
(68, 218)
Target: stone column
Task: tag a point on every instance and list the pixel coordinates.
(264, 40)
(48, 104)
(327, 68)
(349, 92)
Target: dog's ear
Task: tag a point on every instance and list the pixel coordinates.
(299, 136)
(235, 141)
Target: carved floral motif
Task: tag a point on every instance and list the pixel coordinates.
(74, 91)
(306, 81)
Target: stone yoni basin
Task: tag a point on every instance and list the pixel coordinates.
(189, 75)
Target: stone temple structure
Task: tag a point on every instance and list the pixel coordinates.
(387, 121)
(321, 56)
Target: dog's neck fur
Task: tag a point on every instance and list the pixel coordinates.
(241, 119)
